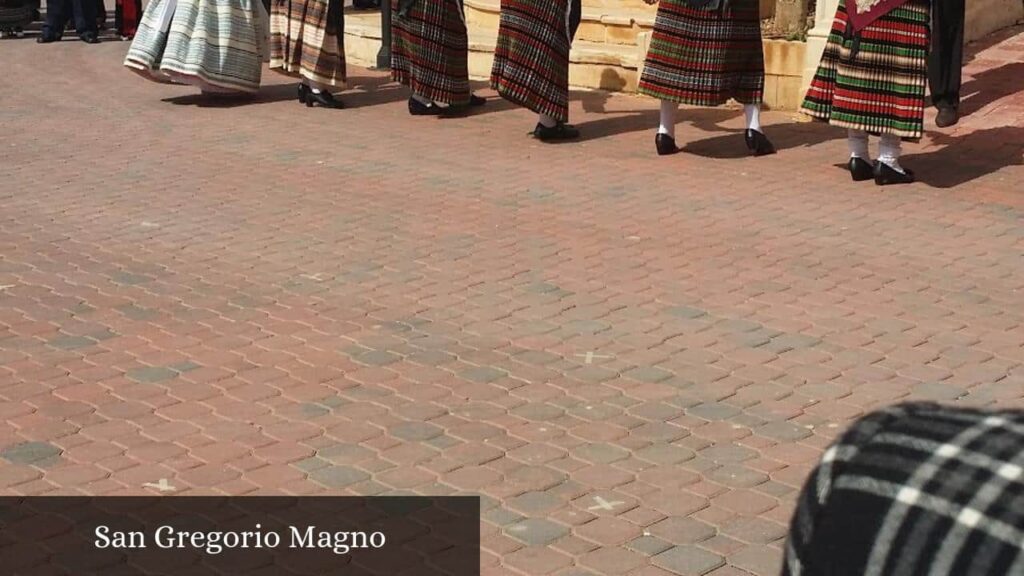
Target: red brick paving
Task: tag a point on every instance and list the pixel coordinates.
(258, 298)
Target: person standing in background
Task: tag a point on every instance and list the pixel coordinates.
(59, 12)
(945, 62)
(127, 16)
(14, 16)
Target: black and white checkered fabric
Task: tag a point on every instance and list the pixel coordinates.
(915, 489)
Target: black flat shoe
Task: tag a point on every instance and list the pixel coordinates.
(46, 39)
(323, 98)
(417, 108)
(476, 101)
(758, 143)
(560, 131)
(89, 38)
(948, 116)
(861, 169)
(886, 175)
(665, 144)
(304, 92)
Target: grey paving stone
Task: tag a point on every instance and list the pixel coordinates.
(536, 531)
(585, 327)
(186, 366)
(737, 476)
(664, 453)
(483, 374)
(71, 342)
(415, 431)
(338, 476)
(129, 279)
(537, 357)
(728, 453)
(937, 391)
(658, 431)
(739, 325)
(152, 374)
(682, 530)
(688, 561)
(794, 341)
(787, 431)
(594, 374)
(432, 358)
(30, 453)
(713, 411)
(442, 442)
(538, 411)
(756, 530)
(310, 410)
(775, 489)
(137, 313)
(649, 545)
(651, 374)
(378, 358)
(535, 503)
(311, 464)
(501, 516)
(104, 334)
(656, 411)
(600, 453)
(344, 453)
(595, 412)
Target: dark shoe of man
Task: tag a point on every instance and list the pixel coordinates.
(90, 38)
(47, 38)
(948, 116)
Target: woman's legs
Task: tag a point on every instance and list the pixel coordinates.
(889, 149)
(667, 124)
(858, 143)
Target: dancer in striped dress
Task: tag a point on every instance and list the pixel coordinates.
(217, 45)
(872, 79)
(429, 54)
(703, 53)
(307, 42)
(531, 61)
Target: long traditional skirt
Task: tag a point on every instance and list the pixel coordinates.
(127, 16)
(878, 86)
(306, 40)
(429, 50)
(15, 14)
(531, 61)
(705, 57)
(217, 45)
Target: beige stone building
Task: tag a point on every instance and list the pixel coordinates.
(613, 36)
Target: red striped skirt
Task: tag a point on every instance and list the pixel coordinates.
(430, 50)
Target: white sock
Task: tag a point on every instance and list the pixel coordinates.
(753, 114)
(667, 124)
(547, 121)
(422, 100)
(889, 151)
(858, 142)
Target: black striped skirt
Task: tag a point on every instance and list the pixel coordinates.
(430, 50)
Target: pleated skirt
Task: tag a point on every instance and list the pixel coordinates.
(879, 87)
(429, 50)
(705, 57)
(306, 40)
(217, 45)
(531, 60)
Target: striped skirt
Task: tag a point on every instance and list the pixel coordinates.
(306, 40)
(705, 57)
(429, 50)
(15, 14)
(531, 61)
(880, 87)
(217, 45)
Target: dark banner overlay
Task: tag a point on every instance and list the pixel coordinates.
(179, 536)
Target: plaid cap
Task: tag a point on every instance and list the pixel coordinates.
(915, 489)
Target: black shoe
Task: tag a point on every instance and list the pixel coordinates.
(90, 38)
(322, 98)
(861, 169)
(758, 143)
(560, 131)
(304, 92)
(665, 144)
(885, 175)
(417, 108)
(948, 116)
(45, 39)
(476, 101)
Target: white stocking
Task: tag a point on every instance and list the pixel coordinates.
(858, 142)
(668, 118)
(753, 114)
(889, 151)
(547, 121)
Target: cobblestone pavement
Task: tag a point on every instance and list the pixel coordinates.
(635, 360)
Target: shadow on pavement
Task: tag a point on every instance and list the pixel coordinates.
(968, 157)
(990, 86)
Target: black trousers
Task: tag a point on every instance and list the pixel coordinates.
(946, 58)
(58, 12)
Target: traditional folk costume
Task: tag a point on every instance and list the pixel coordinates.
(307, 42)
(429, 54)
(871, 80)
(702, 53)
(531, 61)
(14, 16)
(945, 62)
(216, 45)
